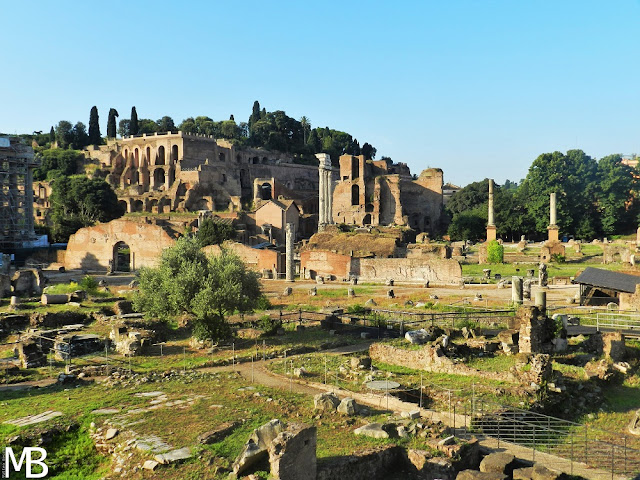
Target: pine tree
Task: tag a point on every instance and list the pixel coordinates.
(111, 123)
(94, 127)
(52, 135)
(133, 124)
(231, 118)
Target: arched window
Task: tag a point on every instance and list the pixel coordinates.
(265, 191)
(160, 157)
(367, 219)
(174, 153)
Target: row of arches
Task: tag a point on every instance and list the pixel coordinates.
(150, 179)
(137, 157)
(150, 205)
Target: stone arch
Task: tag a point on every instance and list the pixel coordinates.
(222, 157)
(137, 206)
(367, 219)
(255, 160)
(160, 157)
(136, 158)
(355, 195)
(264, 160)
(174, 154)
(135, 177)
(123, 205)
(121, 257)
(265, 191)
(147, 158)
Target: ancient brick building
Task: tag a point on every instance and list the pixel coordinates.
(380, 192)
(185, 172)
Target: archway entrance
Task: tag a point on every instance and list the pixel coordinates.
(121, 257)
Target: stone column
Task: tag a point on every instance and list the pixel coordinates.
(290, 265)
(541, 300)
(552, 228)
(491, 226)
(516, 290)
(325, 190)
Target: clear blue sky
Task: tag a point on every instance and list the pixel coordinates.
(477, 88)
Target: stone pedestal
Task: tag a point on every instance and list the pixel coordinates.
(553, 233)
(491, 232)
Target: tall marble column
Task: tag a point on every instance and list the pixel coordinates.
(289, 240)
(553, 228)
(491, 226)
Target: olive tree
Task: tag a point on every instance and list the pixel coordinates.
(209, 288)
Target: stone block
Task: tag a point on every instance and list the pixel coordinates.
(292, 454)
(476, 475)
(326, 401)
(614, 346)
(373, 430)
(498, 462)
(348, 406)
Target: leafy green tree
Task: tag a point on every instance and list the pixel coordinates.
(64, 134)
(214, 233)
(573, 176)
(165, 124)
(146, 125)
(186, 281)
(468, 225)
(94, 127)
(617, 204)
(79, 201)
(111, 123)
(80, 139)
(56, 162)
(368, 151)
(123, 127)
(313, 142)
(133, 122)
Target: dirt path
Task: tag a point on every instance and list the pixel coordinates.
(24, 385)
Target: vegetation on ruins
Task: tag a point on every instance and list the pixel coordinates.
(214, 233)
(209, 288)
(55, 163)
(594, 198)
(78, 202)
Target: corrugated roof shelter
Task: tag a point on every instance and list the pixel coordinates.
(599, 286)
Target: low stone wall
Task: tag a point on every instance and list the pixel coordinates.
(430, 359)
(364, 465)
(415, 270)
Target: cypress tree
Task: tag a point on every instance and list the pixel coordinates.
(111, 123)
(133, 124)
(255, 113)
(52, 135)
(94, 127)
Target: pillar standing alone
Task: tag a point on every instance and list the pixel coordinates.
(325, 192)
(552, 228)
(491, 226)
(290, 265)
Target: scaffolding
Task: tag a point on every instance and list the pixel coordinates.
(17, 162)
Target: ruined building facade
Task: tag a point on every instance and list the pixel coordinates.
(16, 194)
(176, 172)
(380, 192)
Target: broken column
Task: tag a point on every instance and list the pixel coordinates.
(491, 226)
(290, 266)
(516, 289)
(541, 300)
(325, 192)
(552, 228)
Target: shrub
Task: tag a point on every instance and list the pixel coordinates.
(495, 252)
(89, 284)
(269, 325)
(263, 303)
